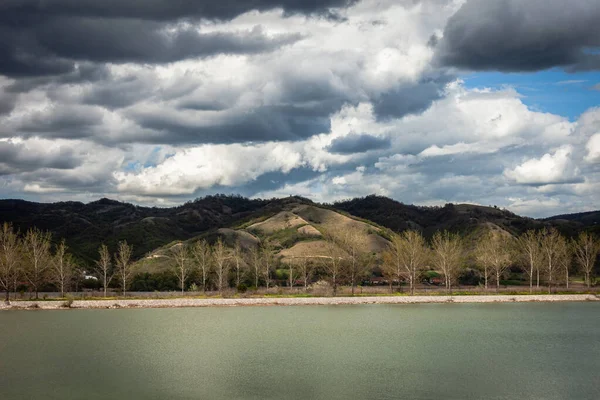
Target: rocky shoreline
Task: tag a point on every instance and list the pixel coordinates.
(288, 301)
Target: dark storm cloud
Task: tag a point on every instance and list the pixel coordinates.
(118, 94)
(17, 157)
(82, 72)
(300, 108)
(122, 41)
(45, 38)
(69, 122)
(160, 10)
(259, 125)
(522, 35)
(358, 143)
(52, 47)
(94, 181)
(22, 56)
(202, 105)
(410, 99)
(7, 102)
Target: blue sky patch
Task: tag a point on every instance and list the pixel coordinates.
(553, 91)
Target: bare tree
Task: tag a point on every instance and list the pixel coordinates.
(483, 257)
(407, 254)
(179, 254)
(238, 260)
(291, 274)
(267, 262)
(552, 242)
(414, 256)
(202, 256)
(256, 262)
(10, 254)
(530, 247)
(586, 249)
(123, 263)
(355, 263)
(103, 266)
(220, 258)
(494, 252)
(333, 261)
(305, 270)
(447, 255)
(564, 257)
(62, 267)
(393, 267)
(37, 251)
(502, 256)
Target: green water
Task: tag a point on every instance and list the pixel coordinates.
(485, 351)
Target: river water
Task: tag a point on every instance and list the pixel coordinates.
(427, 351)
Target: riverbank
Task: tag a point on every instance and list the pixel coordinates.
(288, 301)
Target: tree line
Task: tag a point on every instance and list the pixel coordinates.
(32, 258)
(544, 256)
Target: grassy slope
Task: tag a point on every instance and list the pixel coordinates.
(286, 231)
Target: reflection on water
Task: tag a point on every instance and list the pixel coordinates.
(429, 351)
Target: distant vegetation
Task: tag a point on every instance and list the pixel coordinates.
(224, 243)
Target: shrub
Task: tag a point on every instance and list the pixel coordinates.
(469, 276)
(69, 301)
(242, 288)
(147, 282)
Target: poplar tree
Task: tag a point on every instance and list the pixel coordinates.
(10, 256)
(201, 252)
(586, 248)
(123, 264)
(36, 246)
(179, 254)
(447, 256)
(530, 247)
(103, 266)
(62, 267)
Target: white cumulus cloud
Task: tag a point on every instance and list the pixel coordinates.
(550, 168)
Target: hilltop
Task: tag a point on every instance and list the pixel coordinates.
(462, 218)
(294, 228)
(86, 226)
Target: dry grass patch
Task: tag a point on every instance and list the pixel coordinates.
(280, 221)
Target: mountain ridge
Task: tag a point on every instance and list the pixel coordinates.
(85, 226)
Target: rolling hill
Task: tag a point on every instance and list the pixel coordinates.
(86, 226)
(296, 224)
(462, 218)
(297, 231)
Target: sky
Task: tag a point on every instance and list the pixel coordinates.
(157, 102)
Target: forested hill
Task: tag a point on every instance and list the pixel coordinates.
(591, 218)
(86, 226)
(461, 218)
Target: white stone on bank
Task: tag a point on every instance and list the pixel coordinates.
(289, 301)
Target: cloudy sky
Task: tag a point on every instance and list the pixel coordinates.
(425, 101)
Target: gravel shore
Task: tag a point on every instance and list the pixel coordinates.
(217, 302)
